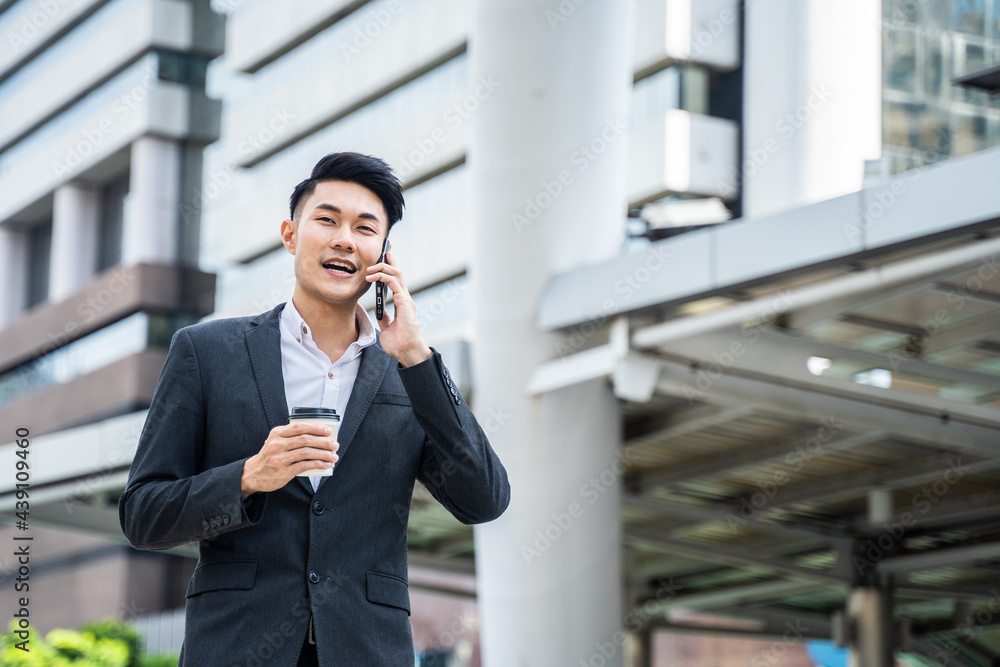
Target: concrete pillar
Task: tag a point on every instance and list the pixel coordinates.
(812, 109)
(879, 506)
(870, 612)
(548, 168)
(75, 229)
(152, 215)
(13, 274)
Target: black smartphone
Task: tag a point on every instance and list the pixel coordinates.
(380, 287)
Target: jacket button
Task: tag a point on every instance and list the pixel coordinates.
(212, 523)
(317, 508)
(313, 577)
(225, 519)
(204, 524)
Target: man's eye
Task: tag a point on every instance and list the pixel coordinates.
(367, 228)
(325, 219)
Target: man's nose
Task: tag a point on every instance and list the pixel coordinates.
(342, 239)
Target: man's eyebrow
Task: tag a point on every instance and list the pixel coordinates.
(331, 207)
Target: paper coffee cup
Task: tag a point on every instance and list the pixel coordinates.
(323, 417)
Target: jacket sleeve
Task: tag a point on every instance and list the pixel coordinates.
(168, 501)
(458, 465)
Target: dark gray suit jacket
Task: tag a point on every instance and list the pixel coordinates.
(339, 554)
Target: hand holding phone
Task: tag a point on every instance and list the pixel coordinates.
(380, 286)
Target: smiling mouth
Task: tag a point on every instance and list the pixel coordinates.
(342, 267)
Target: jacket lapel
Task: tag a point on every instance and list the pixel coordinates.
(374, 362)
(264, 344)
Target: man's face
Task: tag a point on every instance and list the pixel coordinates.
(338, 234)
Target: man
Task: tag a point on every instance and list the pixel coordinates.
(293, 570)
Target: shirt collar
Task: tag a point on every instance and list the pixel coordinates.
(292, 319)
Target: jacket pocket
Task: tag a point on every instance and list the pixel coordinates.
(388, 590)
(391, 399)
(225, 575)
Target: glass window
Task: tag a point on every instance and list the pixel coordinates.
(969, 16)
(677, 87)
(970, 133)
(935, 68)
(900, 60)
(109, 241)
(39, 250)
(97, 350)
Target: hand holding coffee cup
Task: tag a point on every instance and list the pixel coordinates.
(300, 447)
(321, 417)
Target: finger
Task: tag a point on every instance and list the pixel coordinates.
(394, 283)
(309, 454)
(319, 442)
(299, 428)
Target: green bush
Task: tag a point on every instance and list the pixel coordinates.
(108, 643)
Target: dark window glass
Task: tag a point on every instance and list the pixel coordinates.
(109, 246)
(39, 250)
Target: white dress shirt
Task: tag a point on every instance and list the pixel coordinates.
(311, 379)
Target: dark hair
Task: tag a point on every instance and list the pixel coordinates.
(365, 170)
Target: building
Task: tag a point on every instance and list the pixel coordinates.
(716, 405)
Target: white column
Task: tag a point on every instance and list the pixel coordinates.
(75, 228)
(13, 274)
(152, 214)
(812, 109)
(548, 167)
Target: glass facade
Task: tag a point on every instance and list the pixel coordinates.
(677, 87)
(926, 43)
(127, 336)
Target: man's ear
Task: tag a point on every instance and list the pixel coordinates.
(288, 228)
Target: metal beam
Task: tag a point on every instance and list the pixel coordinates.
(963, 555)
(853, 484)
(891, 360)
(722, 513)
(756, 592)
(874, 410)
(754, 355)
(886, 276)
(736, 558)
(752, 456)
(681, 422)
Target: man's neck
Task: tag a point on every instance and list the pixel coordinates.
(333, 327)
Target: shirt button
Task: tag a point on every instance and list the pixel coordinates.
(304, 330)
(313, 577)
(317, 508)
(330, 375)
(298, 340)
